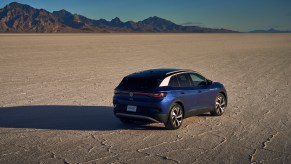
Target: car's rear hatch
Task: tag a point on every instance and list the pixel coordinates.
(138, 90)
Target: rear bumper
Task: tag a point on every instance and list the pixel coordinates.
(138, 117)
(146, 114)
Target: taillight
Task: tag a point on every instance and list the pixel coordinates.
(120, 92)
(153, 95)
(158, 95)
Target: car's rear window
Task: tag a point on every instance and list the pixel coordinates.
(134, 83)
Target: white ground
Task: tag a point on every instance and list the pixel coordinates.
(56, 93)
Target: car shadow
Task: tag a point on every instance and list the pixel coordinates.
(61, 117)
(205, 115)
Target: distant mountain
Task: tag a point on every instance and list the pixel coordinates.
(271, 30)
(16, 17)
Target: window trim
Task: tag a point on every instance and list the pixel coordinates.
(166, 80)
(200, 76)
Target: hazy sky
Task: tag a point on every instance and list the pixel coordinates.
(242, 15)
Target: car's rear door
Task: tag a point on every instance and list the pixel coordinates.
(186, 92)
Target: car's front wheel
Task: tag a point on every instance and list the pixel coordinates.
(175, 117)
(219, 106)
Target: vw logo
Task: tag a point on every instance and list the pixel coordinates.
(130, 94)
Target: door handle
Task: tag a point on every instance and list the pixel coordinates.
(199, 91)
(182, 92)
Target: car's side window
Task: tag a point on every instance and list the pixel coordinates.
(197, 80)
(184, 80)
(174, 82)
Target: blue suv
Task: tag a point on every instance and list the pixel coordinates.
(168, 96)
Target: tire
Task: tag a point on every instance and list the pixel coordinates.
(126, 121)
(219, 105)
(175, 117)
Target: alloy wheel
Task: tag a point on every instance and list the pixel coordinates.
(220, 104)
(176, 116)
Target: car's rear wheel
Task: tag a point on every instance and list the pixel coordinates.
(219, 106)
(175, 118)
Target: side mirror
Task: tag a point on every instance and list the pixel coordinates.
(209, 82)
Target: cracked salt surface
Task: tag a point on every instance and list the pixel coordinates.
(56, 102)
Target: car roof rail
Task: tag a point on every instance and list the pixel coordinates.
(179, 71)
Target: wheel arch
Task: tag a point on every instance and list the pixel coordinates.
(225, 95)
(182, 105)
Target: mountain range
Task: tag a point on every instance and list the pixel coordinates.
(17, 17)
(271, 30)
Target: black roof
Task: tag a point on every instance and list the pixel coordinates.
(157, 73)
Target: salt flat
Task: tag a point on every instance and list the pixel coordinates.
(56, 98)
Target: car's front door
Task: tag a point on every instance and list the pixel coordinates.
(205, 95)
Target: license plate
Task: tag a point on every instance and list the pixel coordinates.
(131, 108)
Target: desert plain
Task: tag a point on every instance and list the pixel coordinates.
(56, 98)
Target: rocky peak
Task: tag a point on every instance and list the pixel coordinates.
(156, 20)
(18, 6)
(116, 20)
(62, 13)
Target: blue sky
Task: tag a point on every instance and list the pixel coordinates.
(242, 15)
